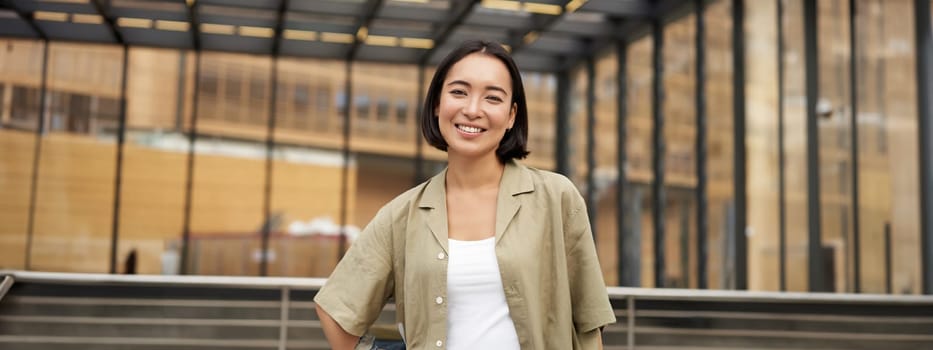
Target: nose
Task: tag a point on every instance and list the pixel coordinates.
(472, 108)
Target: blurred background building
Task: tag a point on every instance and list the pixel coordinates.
(246, 120)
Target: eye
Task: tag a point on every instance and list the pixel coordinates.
(496, 99)
(458, 92)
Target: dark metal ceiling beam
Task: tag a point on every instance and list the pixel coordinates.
(195, 25)
(371, 8)
(105, 14)
(456, 17)
(541, 23)
(279, 28)
(631, 29)
(28, 17)
(616, 8)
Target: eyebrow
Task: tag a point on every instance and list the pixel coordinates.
(490, 87)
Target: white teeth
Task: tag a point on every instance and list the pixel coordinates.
(469, 129)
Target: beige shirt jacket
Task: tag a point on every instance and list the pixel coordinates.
(550, 272)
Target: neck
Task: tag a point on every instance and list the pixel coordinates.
(480, 173)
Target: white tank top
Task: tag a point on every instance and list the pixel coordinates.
(477, 313)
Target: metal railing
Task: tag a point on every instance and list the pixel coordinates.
(81, 311)
(5, 285)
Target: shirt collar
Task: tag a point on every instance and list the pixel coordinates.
(516, 179)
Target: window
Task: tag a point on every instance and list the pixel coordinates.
(24, 111)
(232, 96)
(108, 115)
(78, 113)
(401, 112)
(301, 101)
(382, 109)
(362, 107)
(208, 86)
(258, 101)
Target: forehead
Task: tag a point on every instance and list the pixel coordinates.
(480, 70)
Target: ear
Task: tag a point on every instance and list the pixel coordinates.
(512, 113)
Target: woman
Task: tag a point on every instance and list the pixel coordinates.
(488, 253)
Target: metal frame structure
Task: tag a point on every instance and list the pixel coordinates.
(701, 146)
(782, 178)
(854, 150)
(658, 152)
(740, 160)
(814, 242)
(924, 37)
(551, 36)
(193, 18)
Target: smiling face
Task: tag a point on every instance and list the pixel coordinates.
(475, 106)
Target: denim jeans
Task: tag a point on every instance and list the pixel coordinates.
(388, 345)
(368, 342)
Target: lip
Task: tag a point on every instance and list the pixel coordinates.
(469, 135)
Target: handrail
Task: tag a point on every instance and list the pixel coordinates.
(240, 282)
(616, 293)
(5, 285)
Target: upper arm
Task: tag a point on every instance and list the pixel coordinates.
(589, 297)
(363, 280)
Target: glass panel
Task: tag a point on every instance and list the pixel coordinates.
(762, 145)
(607, 175)
(638, 146)
(577, 128)
(307, 167)
(435, 159)
(229, 168)
(155, 161)
(540, 92)
(383, 148)
(679, 108)
(374, 86)
(887, 117)
(74, 198)
(834, 110)
(719, 146)
(20, 76)
(795, 147)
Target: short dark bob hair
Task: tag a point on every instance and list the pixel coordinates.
(514, 143)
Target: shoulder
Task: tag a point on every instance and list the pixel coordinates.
(401, 205)
(554, 185)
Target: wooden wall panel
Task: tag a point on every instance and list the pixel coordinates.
(16, 157)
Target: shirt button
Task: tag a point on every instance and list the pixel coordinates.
(440, 256)
(439, 301)
(439, 343)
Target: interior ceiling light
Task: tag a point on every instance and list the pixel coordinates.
(417, 43)
(545, 9)
(341, 38)
(574, 5)
(256, 32)
(50, 16)
(530, 37)
(362, 33)
(502, 5)
(176, 26)
(293, 34)
(129, 22)
(381, 40)
(212, 28)
(86, 19)
(527, 6)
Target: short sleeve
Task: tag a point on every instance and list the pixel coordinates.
(363, 280)
(589, 298)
